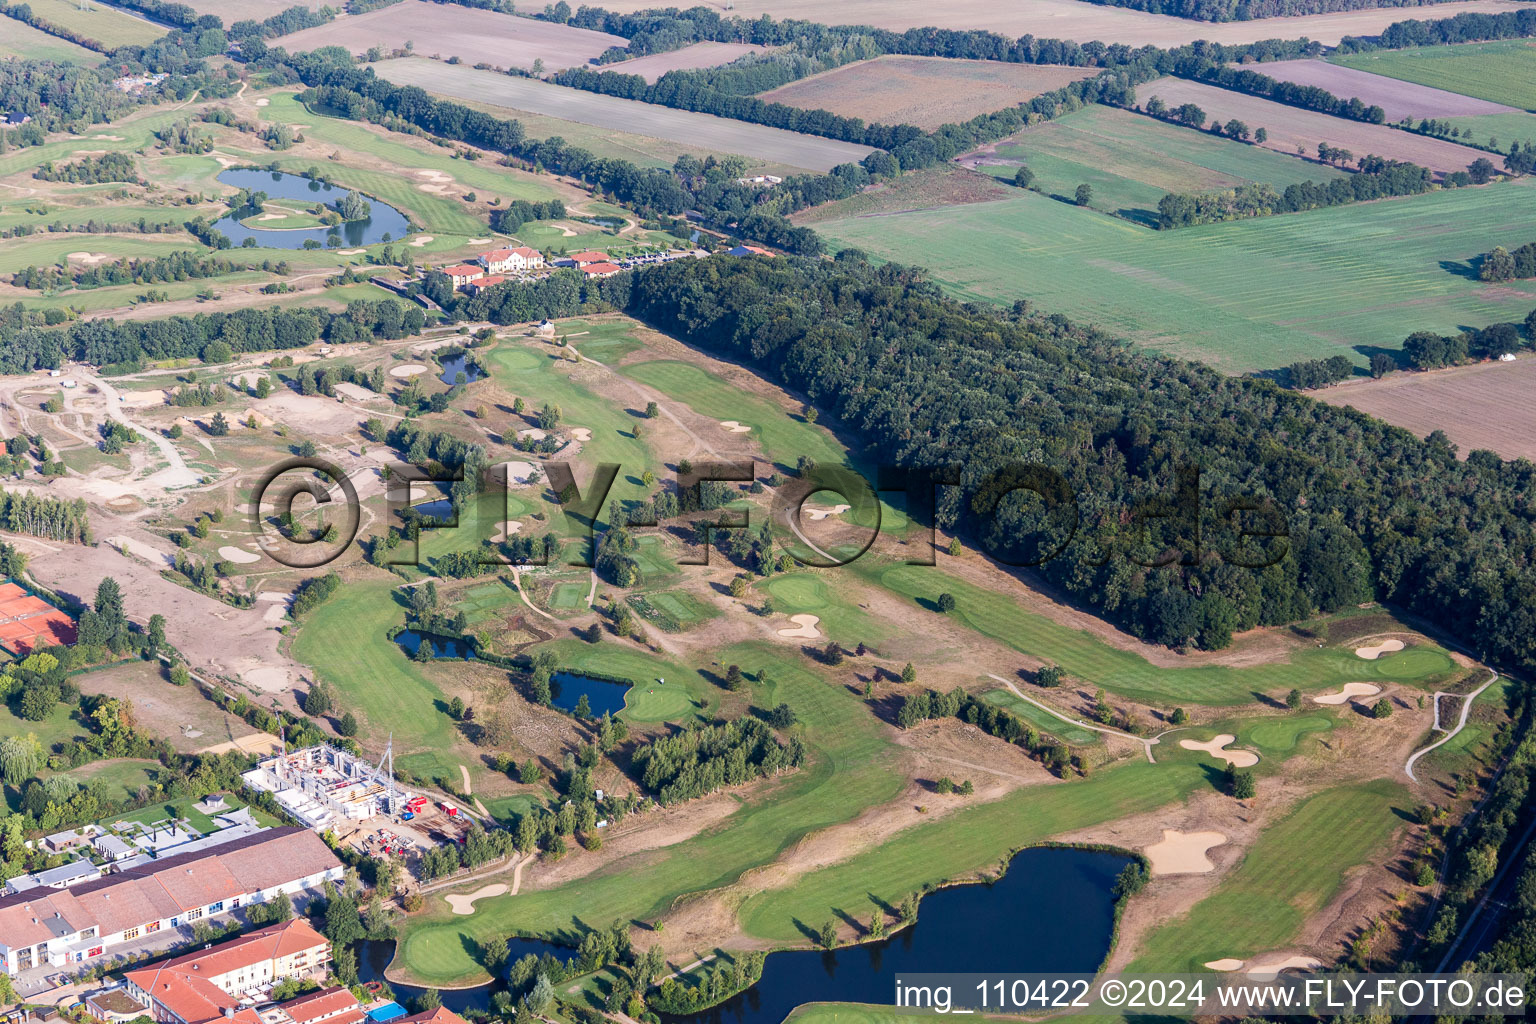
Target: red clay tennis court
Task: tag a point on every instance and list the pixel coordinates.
(28, 622)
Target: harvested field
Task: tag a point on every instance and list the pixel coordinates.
(1500, 72)
(723, 134)
(258, 10)
(1072, 19)
(925, 91)
(930, 189)
(106, 25)
(1292, 127)
(699, 55)
(1399, 99)
(450, 30)
(18, 39)
(1485, 405)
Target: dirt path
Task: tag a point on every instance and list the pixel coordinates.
(1461, 721)
(1106, 730)
(178, 474)
(517, 580)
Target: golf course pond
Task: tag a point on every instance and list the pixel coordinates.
(1052, 912)
(298, 190)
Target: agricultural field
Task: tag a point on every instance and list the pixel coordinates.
(451, 30)
(1241, 296)
(1498, 130)
(1298, 131)
(1399, 99)
(1080, 20)
(1502, 72)
(258, 10)
(1456, 401)
(615, 114)
(1132, 161)
(698, 55)
(106, 25)
(925, 91)
(18, 39)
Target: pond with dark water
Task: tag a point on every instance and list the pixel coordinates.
(382, 218)
(1053, 912)
(566, 690)
(442, 646)
(457, 364)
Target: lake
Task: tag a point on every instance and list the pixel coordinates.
(442, 646)
(1052, 912)
(566, 689)
(279, 186)
(456, 364)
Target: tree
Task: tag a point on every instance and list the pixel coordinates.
(1023, 177)
(1381, 709)
(1083, 195)
(1179, 716)
(1293, 699)
(20, 758)
(583, 707)
(832, 654)
(1048, 676)
(908, 673)
(1261, 135)
(1243, 786)
(528, 772)
(456, 707)
(156, 635)
(828, 934)
(348, 725)
(652, 410)
(1498, 265)
(1382, 364)
(1481, 170)
(946, 602)
(219, 425)
(542, 995)
(733, 678)
(318, 700)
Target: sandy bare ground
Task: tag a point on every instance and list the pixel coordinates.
(408, 370)
(1374, 651)
(1348, 693)
(1272, 965)
(465, 905)
(256, 743)
(1399, 99)
(240, 556)
(581, 433)
(507, 529)
(1290, 127)
(1230, 963)
(1183, 853)
(1071, 19)
(817, 514)
(450, 30)
(1215, 747)
(1484, 405)
(736, 427)
(804, 627)
(925, 91)
(699, 55)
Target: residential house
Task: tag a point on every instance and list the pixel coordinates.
(488, 281)
(592, 270)
(462, 273)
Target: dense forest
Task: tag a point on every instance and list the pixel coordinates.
(1244, 10)
(702, 759)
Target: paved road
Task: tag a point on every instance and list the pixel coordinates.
(1466, 708)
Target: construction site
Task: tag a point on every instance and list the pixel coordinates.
(360, 803)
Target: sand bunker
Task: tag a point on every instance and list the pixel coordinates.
(581, 433)
(1269, 968)
(532, 434)
(1183, 853)
(91, 258)
(356, 392)
(818, 514)
(408, 370)
(273, 216)
(735, 427)
(263, 101)
(420, 241)
(112, 138)
(434, 175)
(479, 241)
(804, 627)
(518, 472)
(434, 189)
(231, 553)
(1225, 964)
(1350, 691)
(1374, 652)
(466, 904)
(349, 252)
(1238, 758)
(505, 530)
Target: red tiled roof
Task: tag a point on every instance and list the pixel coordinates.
(496, 254)
(463, 270)
(590, 256)
(488, 280)
(328, 1003)
(441, 1015)
(594, 269)
(525, 252)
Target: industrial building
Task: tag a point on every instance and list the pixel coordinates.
(323, 786)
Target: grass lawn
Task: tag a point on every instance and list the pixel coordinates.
(1040, 718)
(1085, 657)
(807, 593)
(60, 726)
(606, 341)
(1503, 71)
(675, 611)
(18, 39)
(106, 25)
(963, 842)
(1241, 296)
(122, 777)
(849, 769)
(343, 639)
(569, 597)
(1498, 130)
(1280, 736)
(183, 808)
(17, 253)
(684, 694)
(1293, 869)
(1132, 161)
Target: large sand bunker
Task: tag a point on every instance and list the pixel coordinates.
(230, 553)
(532, 434)
(1350, 691)
(735, 427)
(419, 241)
(581, 433)
(408, 370)
(518, 472)
(89, 258)
(507, 529)
(1183, 853)
(465, 905)
(818, 514)
(1237, 758)
(1385, 647)
(1225, 964)
(1270, 968)
(804, 627)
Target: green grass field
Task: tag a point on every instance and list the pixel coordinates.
(1083, 656)
(17, 253)
(807, 593)
(18, 39)
(964, 842)
(1293, 869)
(1502, 71)
(606, 341)
(106, 25)
(1498, 130)
(684, 694)
(1279, 736)
(849, 769)
(1132, 161)
(675, 611)
(1242, 296)
(122, 777)
(1040, 718)
(569, 597)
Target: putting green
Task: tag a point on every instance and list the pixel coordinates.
(656, 702)
(1278, 735)
(569, 596)
(519, 359)
(798, 592)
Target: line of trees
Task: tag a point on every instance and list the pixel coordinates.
(1427, 350)
(1503, 265)
(1245, 10)
(510, 218)
(991, 719)
(1378, 179)
(186, 265)
(42, 516)
(700, 760)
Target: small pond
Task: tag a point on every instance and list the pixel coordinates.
(457, 364)
(442, 646)
(296, 189)
(437, 508)
(567, 688)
